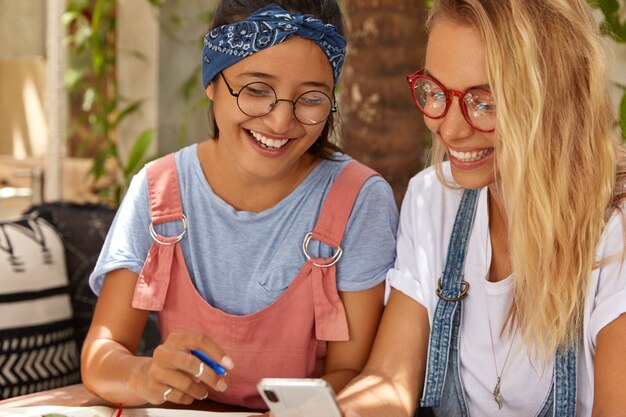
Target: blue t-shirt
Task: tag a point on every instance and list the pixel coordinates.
(241, 261)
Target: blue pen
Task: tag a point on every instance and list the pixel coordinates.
(219, 369)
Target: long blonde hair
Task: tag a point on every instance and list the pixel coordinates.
(556, 152)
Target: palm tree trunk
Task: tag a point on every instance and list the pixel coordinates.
(380, 125)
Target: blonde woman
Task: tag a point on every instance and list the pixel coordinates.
(509, 288)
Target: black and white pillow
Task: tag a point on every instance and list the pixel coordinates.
(38, 349)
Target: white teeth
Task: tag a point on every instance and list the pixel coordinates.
(470, 156)
(272, 144)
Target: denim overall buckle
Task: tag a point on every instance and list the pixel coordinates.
(464, 288)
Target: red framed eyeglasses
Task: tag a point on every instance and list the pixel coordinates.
(433, 99)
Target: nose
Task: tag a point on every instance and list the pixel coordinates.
(453, 125)
(281, 118)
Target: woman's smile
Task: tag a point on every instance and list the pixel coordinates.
(468, 159)
(272, 144)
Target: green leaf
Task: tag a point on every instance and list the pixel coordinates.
(138, 152)
(88, 99)
(73, 76)
(178, 21)
(622, 116)
(69, 17)
(614, 24)
(82, 36)
(117, 195)
(191, 86)
(127, 111)
(78, 5)
(98, 167)
(110, 105)
(206, 17)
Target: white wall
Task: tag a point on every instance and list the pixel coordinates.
(22, 28)
(155, 57)
(22, 78)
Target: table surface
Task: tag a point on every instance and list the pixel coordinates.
(79, 396)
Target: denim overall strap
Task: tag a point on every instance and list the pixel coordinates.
(561, 401)
(452, 289)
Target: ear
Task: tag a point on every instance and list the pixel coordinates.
(209, 90)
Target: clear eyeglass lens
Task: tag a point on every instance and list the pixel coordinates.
(480, 104)
(481, 109)
(313, 107)
(258, 99)
(430, 97)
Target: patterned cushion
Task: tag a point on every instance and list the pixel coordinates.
(83, 228)
(38, 349)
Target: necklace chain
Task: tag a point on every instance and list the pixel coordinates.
(497, 394)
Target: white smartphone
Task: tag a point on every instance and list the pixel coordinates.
(299, 397)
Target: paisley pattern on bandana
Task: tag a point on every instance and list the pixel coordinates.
(229, 44)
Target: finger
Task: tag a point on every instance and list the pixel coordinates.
(165, 356)
(175, 396)
(170, 367)
(350, 412)
(157, 393)
(200, 342)
(208, 347)
(175, 353)
(187, 389)
(198, 371)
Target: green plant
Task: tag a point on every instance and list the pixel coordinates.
(96, 102)
(614, 26)
(177, 27)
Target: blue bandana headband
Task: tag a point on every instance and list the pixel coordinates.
(226, 45)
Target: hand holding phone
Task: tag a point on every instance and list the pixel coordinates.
(293, 397)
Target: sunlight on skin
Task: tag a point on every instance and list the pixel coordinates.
(376, 395)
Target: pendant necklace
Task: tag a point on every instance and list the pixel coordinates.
(497, 394)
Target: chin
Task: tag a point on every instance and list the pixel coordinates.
(472, 181)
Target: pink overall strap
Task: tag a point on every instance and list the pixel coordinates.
(330, 316)
(335, 213)
(165, 206)
(163, 192)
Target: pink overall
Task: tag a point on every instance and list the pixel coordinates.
(285, 339)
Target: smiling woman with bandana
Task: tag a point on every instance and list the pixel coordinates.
(264, 247)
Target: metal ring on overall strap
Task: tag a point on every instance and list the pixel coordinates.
(305, 248)
(155, 236)
(450, 291)
(464, 289)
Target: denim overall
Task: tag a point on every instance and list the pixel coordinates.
(443, 388)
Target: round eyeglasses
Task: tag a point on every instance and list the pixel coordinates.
(433, 99)
(258, 99)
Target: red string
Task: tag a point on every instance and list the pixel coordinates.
(119, 410)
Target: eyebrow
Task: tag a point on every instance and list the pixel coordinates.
(480, 87)
(266, 76)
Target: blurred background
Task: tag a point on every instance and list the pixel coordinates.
(91, 90)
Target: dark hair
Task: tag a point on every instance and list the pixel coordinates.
(328, 11)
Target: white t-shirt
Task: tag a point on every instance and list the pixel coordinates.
(426, 222)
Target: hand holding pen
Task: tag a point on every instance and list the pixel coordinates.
(184, 368)
(206, 359)
(216, 367)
